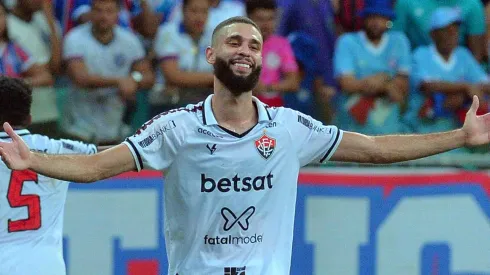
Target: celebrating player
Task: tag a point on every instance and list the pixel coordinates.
(31, 205)
(232, 162)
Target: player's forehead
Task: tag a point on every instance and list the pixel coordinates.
(242, 31)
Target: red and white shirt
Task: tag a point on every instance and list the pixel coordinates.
(31, 212)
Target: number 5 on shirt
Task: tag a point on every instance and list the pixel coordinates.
(17, 199)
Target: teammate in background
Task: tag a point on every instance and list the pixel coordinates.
(232, 162)
(31, 205)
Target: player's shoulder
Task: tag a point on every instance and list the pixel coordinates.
(295, 121)
(179, 118)
(283, 115)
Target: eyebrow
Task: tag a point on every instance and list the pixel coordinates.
(239, 37)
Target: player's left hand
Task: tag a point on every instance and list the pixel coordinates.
(476, 128)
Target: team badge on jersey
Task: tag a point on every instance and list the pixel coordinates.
(265, 146)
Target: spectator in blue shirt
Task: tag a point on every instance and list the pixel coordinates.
(445, 77)
(372, 67)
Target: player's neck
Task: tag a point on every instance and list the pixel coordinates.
(236, 113)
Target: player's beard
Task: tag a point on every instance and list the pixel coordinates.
(236, 84)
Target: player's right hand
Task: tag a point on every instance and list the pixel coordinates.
(15, 154)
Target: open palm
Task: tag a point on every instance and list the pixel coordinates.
(15, 154)
(477, 128)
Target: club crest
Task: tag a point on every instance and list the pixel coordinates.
(265, 146)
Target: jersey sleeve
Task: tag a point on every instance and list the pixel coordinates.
(72, 48)
(155, 145)
(315, 142)
(135, 47)
(166, 45)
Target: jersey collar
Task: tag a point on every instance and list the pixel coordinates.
(20, 132)
(209, 119)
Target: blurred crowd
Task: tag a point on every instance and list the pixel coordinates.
(101, 68)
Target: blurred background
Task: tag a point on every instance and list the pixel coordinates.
(101, 68)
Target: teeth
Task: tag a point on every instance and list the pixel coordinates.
(242, 65)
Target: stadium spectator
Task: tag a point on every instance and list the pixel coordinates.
(279, 70)
(107, 66)
(219, 11)
(305, 49)
(230, 157)
(31, 234)
(315, 18)
(372, 67)
(17, 62)
(445, 77)
(413, 18)
(180, 47)
(32, 25)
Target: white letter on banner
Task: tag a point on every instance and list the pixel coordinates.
(414, 222)
(337, 227)
(93, 218)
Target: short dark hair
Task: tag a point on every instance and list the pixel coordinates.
(233, 20)
(15, 101)
(253, 5)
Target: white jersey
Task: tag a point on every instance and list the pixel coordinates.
(96, 114)
(31, 212)
(230, 199)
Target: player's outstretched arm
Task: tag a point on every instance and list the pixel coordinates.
(75, 168)
(355, 147)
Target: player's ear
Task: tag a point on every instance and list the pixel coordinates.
(210, 55)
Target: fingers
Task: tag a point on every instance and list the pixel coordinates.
(474, 105)
(10, 131)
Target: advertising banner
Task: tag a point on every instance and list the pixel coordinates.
(348, 222)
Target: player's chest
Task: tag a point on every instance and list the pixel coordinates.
(221, 148)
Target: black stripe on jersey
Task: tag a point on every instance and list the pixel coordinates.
(267, 111)
(235, 134)
(331, 147)
(136, 151)
(203, 114)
